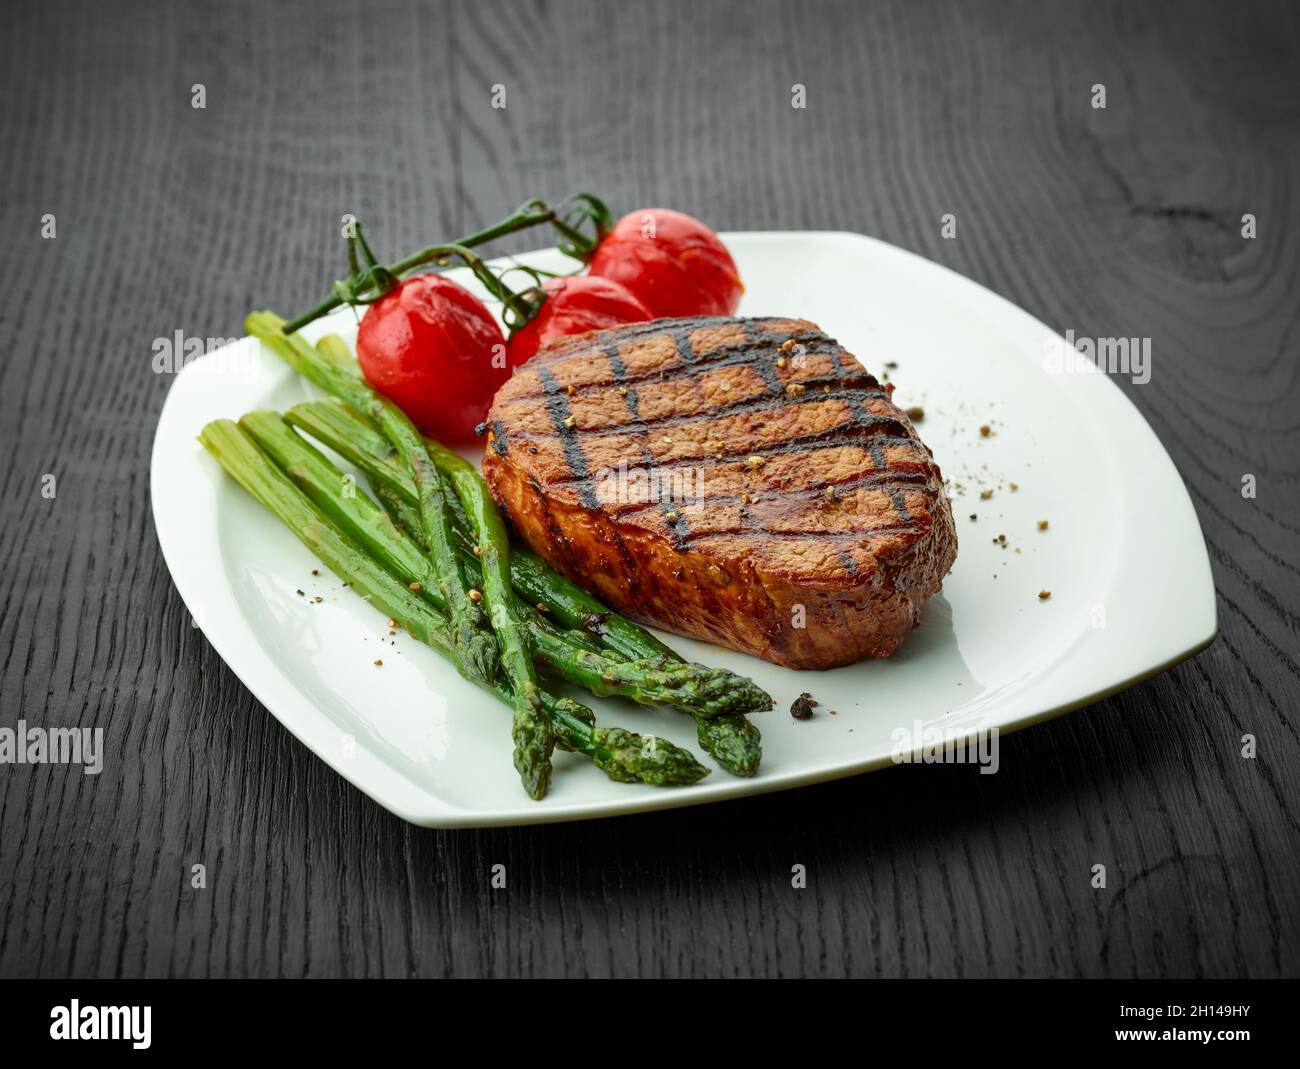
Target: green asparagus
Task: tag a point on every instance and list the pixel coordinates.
(574, 607)
(353, 437)
(569, 654)
(407, 523)
(493, 553)
(622, 755)
(475, 646)
(729, 738)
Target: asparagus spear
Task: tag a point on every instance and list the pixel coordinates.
(570, 654)
(574, 607)
(476, 649)
(403, 516)
(357, 439)
(573, 655)
(349, 434)
(372, 528)
(336, 350)
(729, 738)
(361, 520)
(493, 552)
(622, 755)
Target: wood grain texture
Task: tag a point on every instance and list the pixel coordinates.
(1123, 222)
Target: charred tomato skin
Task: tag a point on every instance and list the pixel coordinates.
(576, 304)
(431, 348)
(673, 263)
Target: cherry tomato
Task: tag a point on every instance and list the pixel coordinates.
(575, 305)
(675, 264)
(431, 347)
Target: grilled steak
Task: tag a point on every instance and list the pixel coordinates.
(742, 481)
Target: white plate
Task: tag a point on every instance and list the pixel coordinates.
(1124, 559)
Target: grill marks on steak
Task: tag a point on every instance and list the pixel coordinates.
(709, 400)
(667, 415)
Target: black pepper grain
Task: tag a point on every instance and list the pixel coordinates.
(802, 707)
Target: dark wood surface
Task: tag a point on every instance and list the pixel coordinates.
(1122, 222)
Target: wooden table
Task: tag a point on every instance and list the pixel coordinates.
(1125, 221)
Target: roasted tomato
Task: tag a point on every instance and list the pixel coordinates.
(674, 264)
(433, 349)
(575, 305)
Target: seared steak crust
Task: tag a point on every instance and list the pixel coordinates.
(742, 481)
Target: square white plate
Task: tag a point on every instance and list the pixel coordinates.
(1123, 557)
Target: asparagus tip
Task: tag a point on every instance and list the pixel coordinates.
(732, 741)
(534, 745)
(645, 758)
